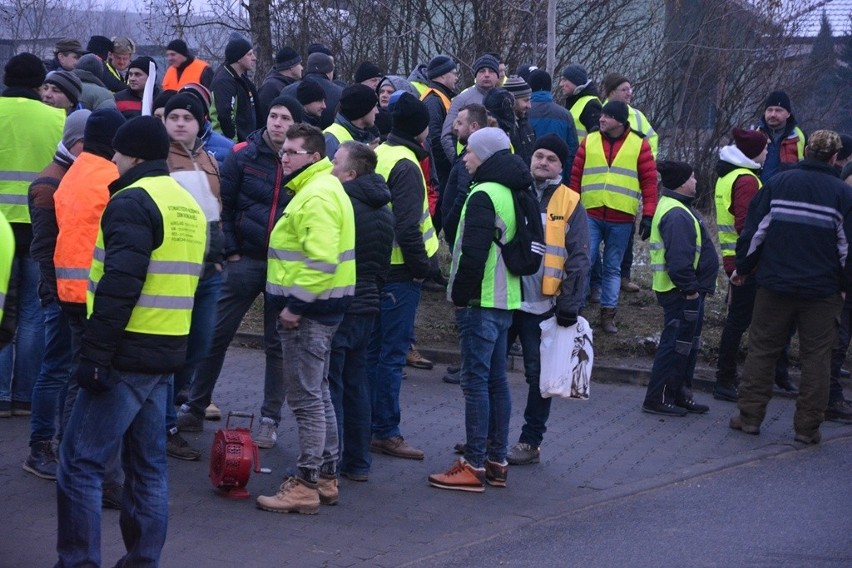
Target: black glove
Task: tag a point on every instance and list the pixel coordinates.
(566, 319)
(645, 228)
(93, 377)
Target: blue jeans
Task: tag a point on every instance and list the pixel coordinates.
(389, 345)
(483, 334)
(306, 385)
(242, 282)
(199, 340)
(350, 391)
(526, 327)
(52, 383)
(674, 363)
(134, 409)
(20, 362)
(614, 237)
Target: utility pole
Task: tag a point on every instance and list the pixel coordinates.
(550, 56)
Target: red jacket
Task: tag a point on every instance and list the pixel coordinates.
(744, 189)
(646, 168)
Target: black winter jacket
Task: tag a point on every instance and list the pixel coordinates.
(370, 197)
(480, 223)
(235, 97)
(591, 114)
(796, 233)
(406, 185)
(253, 196)
(437, 115)
(132, 227)
(453, 198)
(271, 87)
(332, 96)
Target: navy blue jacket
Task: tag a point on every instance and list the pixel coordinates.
(677, 229)
(547, 117)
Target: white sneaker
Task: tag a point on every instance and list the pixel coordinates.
(212, 412)
(268, 435)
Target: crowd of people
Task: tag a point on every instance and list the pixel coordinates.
(139, 223)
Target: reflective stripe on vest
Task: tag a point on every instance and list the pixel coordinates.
(444, 99)
(388, 156)
(338, 131)
(309, 269)
(165, 304)
(725, 221)
(500, 288)
(576, 111)
(31, 131)
(615, 186)
(80, 199)
(559, 209)
(192, 74)
(641, 124)
(661, 281)
(7, 255)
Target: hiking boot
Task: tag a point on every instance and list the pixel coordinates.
(416, 360)
(189, 422)
(595, 296)
(396, 447)
(294, 496)
(268, 434)
(628, 285)
(359, 477)
(452, 378)
(523, 454)
(784, 385)
(42, 461)
(212, 412)
(496, 473)
(21, 408)
(691, 406)
(814, 438)
(459, 448)
(112, 496)
(177, 447)
(725, 391)
(839, 411)
(663, 409)
(737, 423)
(327, 489)
(460, 477)
(608, 320)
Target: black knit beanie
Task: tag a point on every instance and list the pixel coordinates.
(440, 65)
(187, 102)
(100, 130)
(367, 70)
(410, 116)
(297, 111)
(178, 46)
(237, 47)
(100, 46)
(24, 70)
(143, 137)
(673, 174)
(142, 63)
(68, 83)
(287, 57)
(617, 110)
(357, 100)
(540, 81)
(555, 144)
(309, 92)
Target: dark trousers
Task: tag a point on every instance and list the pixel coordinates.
(674, 363)
(627, 260)
(838, 354)
(817, 322)
(525, 327)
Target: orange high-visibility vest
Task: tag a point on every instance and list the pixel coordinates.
(192, 74)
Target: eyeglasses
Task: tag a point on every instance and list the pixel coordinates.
(292, 153)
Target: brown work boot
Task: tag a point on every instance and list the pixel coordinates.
(416, 360)
(460, 477)
(628, 285)
(396, 447)
(294, 496)
(496, 473)
(327, 488)
(608, 320)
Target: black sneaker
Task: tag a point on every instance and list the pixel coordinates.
(453, 368)
(452, 378)
(42, 461)
(177, 447)
(691, 406)
(726, 392)
(663, 409)
(839, 411)
(459, 448)
(112, 496)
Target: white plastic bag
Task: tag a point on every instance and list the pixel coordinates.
(566, 359)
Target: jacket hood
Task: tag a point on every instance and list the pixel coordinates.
(88, 77)
(732, 156)
(506, 169)
(399, 84)
(419, 74)
(370, 189)
(307, 174)
(542, 97)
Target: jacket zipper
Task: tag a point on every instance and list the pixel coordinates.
(275, 196)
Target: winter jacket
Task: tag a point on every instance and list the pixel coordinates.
(575, 252)
(374, 223)
(784, 147)
(235, 100)
(846, 172)
(744, 189)
(45, 229)
(523, 139)
(253, 196)
(190, 71)
(132, 227)
(547, 117)
(406, 186)
(365, 135)
(797, 231)
(452, 201)
(272, 86)
(95, 94)
(183, 164)
(646, 168)
(418, 75)
(437, 115)
(215, 143)
(332, 96)
(479, 223)
(591, 113)
(129, 104)
(448, 140)
(677, 230)
(113, 80)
